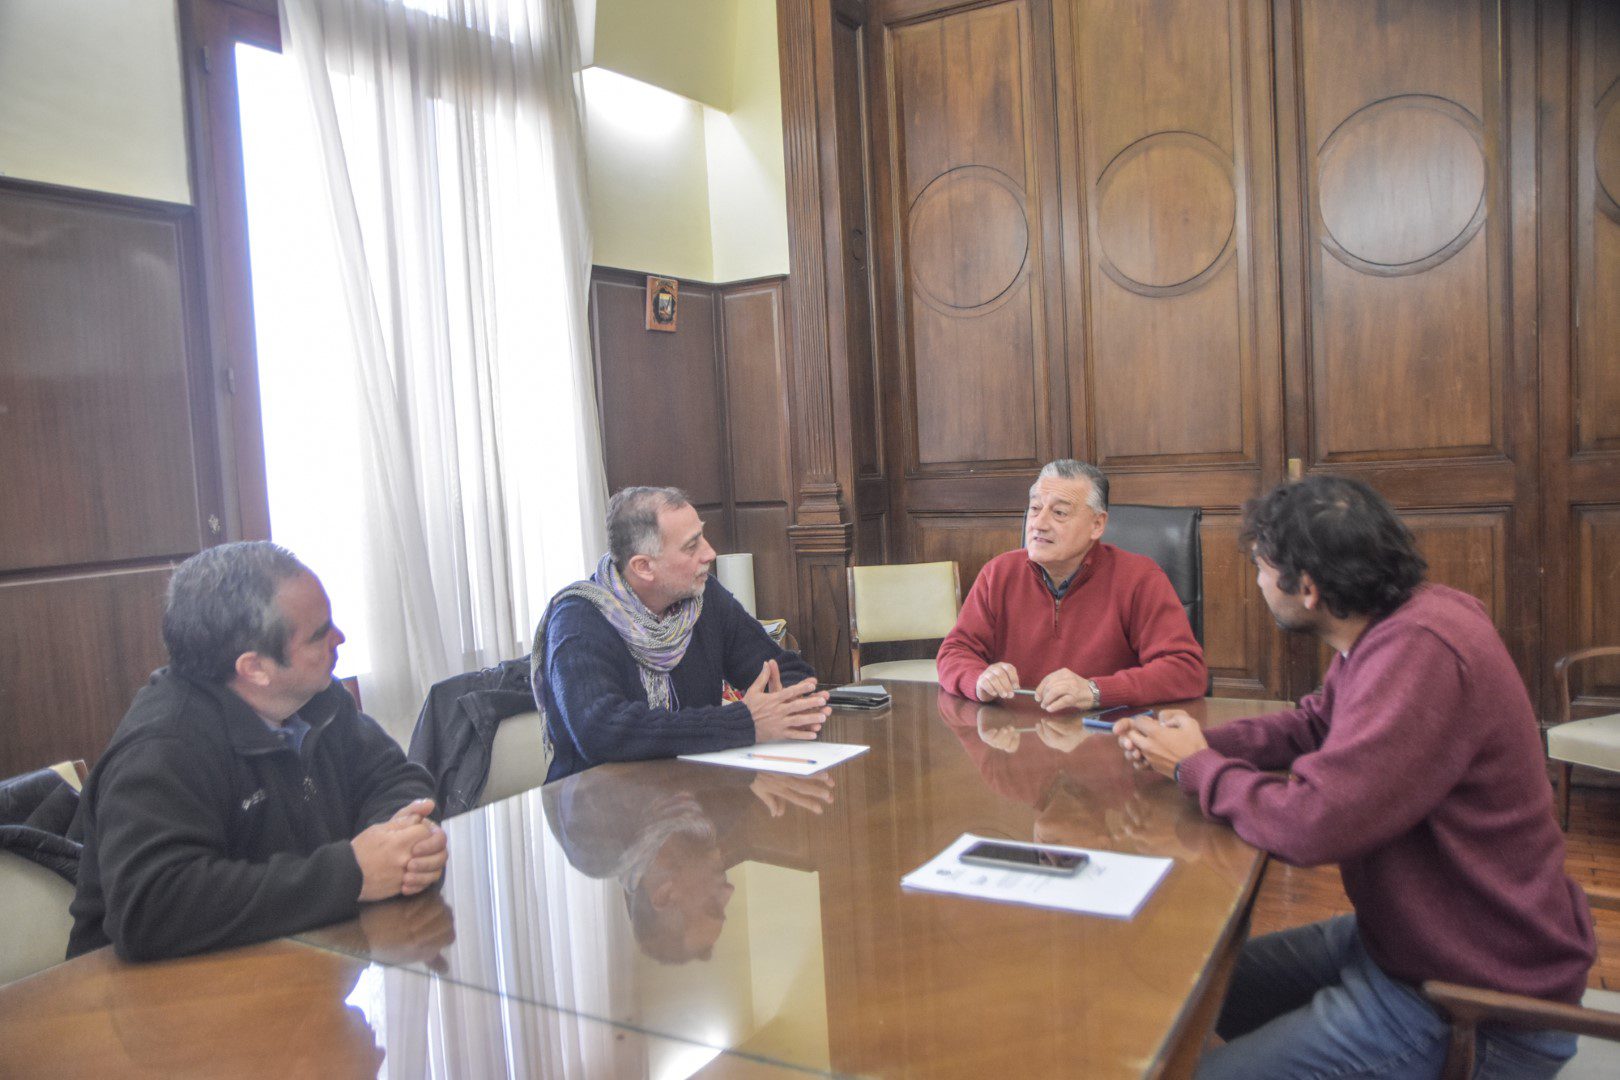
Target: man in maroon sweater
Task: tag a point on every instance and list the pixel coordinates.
(1085, 624)
(1418, 769)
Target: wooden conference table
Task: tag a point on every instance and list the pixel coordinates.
(668, 919)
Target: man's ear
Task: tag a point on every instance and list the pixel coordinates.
(662, 894)
(253, 669)
(639, 566)
(1309, 595)
(1099, 525)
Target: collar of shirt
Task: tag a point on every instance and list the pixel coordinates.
(1060, 588)
(292, 731)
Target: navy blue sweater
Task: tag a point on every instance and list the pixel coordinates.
(597, 709)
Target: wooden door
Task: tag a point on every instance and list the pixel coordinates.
(1580, 340)
(1174, 349)
(1407, 140)
(966, 207)
(107, 436)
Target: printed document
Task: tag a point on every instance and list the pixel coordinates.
(1109, 884)
(795, 757)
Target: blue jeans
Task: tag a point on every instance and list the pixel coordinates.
(1310, 1002)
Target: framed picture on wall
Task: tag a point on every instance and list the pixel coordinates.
(662, 293)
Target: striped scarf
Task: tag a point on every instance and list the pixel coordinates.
(656, 644)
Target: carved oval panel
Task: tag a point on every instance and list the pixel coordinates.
(1401, 184)
(969, 238)
(1606, 152)
(1166, 209)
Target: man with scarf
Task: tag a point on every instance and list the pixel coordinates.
(628, 665)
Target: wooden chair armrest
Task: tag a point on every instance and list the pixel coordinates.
(1599, 897)
(1469, 1005)
(1585, 654)
(1561, 673)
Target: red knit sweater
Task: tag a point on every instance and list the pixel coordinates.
(1120, 623)
(1418, 769)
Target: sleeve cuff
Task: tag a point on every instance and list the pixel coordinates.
(1195, 768)
(1114, 690)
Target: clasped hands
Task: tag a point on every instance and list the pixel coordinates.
(793, 712)
(1061, 690)
(401, 856)
(1159, 743)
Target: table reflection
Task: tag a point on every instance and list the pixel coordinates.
(633, 894)
(763, 914)
(1074, 779)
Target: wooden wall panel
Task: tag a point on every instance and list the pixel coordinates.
(1406, 204)
(966, 205)
(1597, 368)
(1579, 350)
(110, 466)
(1170, 350)
(1375, 239)
(762, 530)
(660, 393)
(73, 652)
(1466, 550)
(1597, 607)
(95, 404)
(860, 353)
(756, 384)
(971, 540)
(1237, 623)
(704, 409)
(1416, 367)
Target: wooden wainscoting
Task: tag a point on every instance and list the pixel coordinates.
(703, 409)
(112, 475)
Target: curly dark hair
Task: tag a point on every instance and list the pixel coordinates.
(1344, 535)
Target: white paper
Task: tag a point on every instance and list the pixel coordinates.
(795, 757)
(1109, 884)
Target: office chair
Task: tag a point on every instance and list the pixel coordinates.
(909, 602)
(519, 758)
(34, 896)
(1169, 536)
(1596, 1019)
(1594, 743)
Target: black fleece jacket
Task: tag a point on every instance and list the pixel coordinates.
(202, 829)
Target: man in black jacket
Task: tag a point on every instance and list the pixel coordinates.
(244, 796)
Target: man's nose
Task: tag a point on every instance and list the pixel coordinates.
(707, 553)
(339, 634)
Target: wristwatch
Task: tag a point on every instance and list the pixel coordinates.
(1096, 694)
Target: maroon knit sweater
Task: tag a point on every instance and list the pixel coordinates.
(1418, 769)
(1119, 623)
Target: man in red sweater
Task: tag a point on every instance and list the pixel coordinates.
(1087, 625)
(1417, 767)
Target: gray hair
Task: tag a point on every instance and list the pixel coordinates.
(1070, 469)
(632, 521)
(222, 603)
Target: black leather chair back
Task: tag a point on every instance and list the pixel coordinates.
(1169, 536)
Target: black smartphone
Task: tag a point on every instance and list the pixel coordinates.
(1017, 857)
(1104, 721)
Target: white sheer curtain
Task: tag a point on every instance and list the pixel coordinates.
(451, 137)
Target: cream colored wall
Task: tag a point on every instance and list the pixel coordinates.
(90, 96)
(672, 45)
(648, 178)
(678, 187)
(747, 183)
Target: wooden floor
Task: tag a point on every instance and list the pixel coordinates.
(1290, 896)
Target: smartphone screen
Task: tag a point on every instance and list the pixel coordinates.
(1017, 857)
